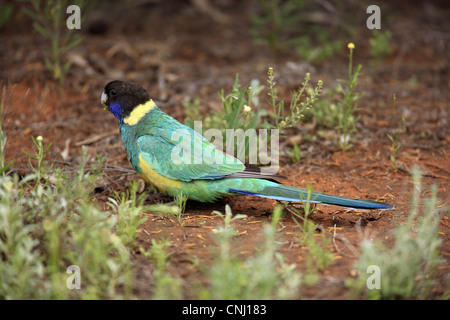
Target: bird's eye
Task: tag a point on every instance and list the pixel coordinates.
(113, 93)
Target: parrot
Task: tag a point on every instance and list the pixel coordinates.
(151, 139)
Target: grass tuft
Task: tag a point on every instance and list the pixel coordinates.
(408, 269)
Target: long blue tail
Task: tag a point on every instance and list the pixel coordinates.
(293, 194)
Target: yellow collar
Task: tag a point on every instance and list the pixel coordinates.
(139, 112)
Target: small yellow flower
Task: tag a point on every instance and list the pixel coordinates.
(247, 109)
(351, 45)
(39, 139)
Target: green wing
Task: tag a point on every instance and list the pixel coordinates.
(178, 152)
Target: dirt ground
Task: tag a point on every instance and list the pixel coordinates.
(177, 52)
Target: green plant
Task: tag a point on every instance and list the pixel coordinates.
(48, 20)
(48, 225)
(264, 276)
(274, 20)
(192, 110)
(6, 11)
(318, 256)
(394, 137)
(238, 107)
(38, 156)
(284, 26)
(307, 230)
(3, 165)
(338, 106)
(325, 48)
(297, 106)
(347, 105)
(129, 207)
(295, 154)
(227, 218)
(180, 201)
(21, 263)
(307, 203)
(239, 113)
(408, 268)
(309, 206)
(166, 286)
(379, 46)
(325, 113)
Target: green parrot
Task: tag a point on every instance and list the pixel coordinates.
(152, 142)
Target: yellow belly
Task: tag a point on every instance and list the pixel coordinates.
(200, 190)
(163, 183)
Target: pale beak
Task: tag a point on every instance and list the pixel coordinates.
(103, 99)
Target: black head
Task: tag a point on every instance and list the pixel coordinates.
(121, 97)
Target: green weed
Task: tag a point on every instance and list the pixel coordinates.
(295, 154)
(394, 137)
(166, 286)
(264, 276)
(347, 105)
(227, 219)
(192, 110)
(6, 11)
(297, 106)
(318, 256)
(379, 46)
(129, 207)
(408, 269)
(22, 268)
(180, 201)
(307, 204)
(337, 109)
(49, 18)
(274, 20)
(38, 157)
(284, 26)
(241, 111)
(47, 226)
(238, 109)
(3, 165)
